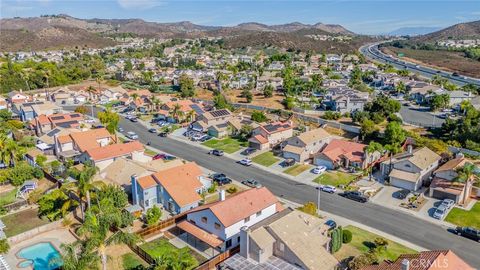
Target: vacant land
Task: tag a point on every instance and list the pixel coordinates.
(297, 169)
(363, 241)
(22, 221)
(228, 145)
(266, 159)
(335, 178)
(464, 218)
(446, 60)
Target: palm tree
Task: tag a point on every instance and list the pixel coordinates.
(177, 260)
(190, 115)
(176, 112)
(392, 149)
(74, 256)
(10, 151)
(90, 90)
(156, 102)
(467, 175)
(371, 148)
(111, 120)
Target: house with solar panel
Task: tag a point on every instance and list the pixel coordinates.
(268, 135)
(45, 123)
(187, 108)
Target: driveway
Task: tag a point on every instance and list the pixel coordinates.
(420, 116)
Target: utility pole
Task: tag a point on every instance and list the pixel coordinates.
(318, 197)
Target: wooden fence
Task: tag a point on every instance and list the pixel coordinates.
(212, 263)
(142, 254)
(161, 225)
(15, 205)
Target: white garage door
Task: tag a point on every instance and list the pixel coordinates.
(402, 184)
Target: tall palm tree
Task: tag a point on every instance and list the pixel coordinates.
(10, 151)
(467, 175)
(190, 115)
(371, 148)
(156, 103)
(74, 256)
(176, 112)
(392, 149)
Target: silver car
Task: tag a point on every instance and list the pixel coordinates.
(440, 212)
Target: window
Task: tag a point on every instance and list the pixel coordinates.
(147, 203)
(259, 213)
(217, 226)
(204, 219)
(282, 247)
(228, 243)
(247, 219)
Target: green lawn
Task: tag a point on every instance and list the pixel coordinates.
(160, 246)
(150, 152)
(362, 241)
(334, 178)
(22, 221)
(8, 197)
(131, 261)
(464, 218)
(228, 145)
(266, 159)
(297, 169)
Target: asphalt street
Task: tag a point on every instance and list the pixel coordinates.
(371, 51)
(420, 117)
(402, 225)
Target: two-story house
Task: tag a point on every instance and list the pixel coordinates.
(101, 157)
(268, 135)
(73, 144)
(30, 110)
(218, 224)
(305, 145)
(411, 169)
(211, 118)
(45, 123)
(177, 189)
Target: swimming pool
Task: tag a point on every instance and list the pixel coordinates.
(43, 256)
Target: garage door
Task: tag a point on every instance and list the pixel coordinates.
(323, 162)
(402, 184)
(291, 155)
(438, 194)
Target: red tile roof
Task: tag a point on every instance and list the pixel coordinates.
(114, 150)
(351, 150)
(88, 139)
(211, 239)
(147, 182)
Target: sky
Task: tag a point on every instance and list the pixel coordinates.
(364, 17)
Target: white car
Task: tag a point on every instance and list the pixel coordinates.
(132, 135)
(246, 162)
(448, 203)
(329, 189)
(319, 170)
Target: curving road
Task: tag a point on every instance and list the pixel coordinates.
(402, 225)
(371, 51)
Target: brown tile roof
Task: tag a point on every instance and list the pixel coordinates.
(181, 182)
(88, 139)
(114, 150)
(293, 149)
(425, 260)
(451, 164)
(351, 150)
(241, 205)
(210, 239)
(259, 138)
(314, 135)
(147, 182)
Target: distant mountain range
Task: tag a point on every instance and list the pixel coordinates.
(63, 30)
(458, 31)
(413, 31)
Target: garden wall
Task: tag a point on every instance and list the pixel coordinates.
(29, 234)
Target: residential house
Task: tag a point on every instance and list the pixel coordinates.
(268, 135)
(211, 118)
(419, 91)
(289, 238)
(425, 260)
(30, 110)
(219, 224)
(46, 141)
(458, 96)
(444, 186)
(230, 128)
(411, 169)
(275, 82)
(344, 99)
(63, 96)
(18, 97)
(103, 156)
(73, 144)
(43, 123)
(177, 189)
(341, 153)
(185, 107)
(305, 145)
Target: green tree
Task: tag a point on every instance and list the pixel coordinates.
(268, 91)
(401, 87)
(381, 244)
(187, 87)
(128, 65)
(259, 116)
(247, 94)
(53, 205)
(153, 215)
(468, 175)
(288, 102)
(309, 208)
(441, 101)
(75, 256)
(362, 261)
(368, 129)
(4, 246)
(81, 109)
(40, 160)
(177, 259)
(347, 236)
(111, 120)
(394, 134)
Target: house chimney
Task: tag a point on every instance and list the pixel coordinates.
(222, 195)
(405, 264)
(134, 189)
(409, 148)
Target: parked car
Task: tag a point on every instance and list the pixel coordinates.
(440, 212)
(163, 134)
(132, 135)
(319, 170)
(134, 119)
(401, 194)
(246, 162)
(251, 183)
(216, 152)
(355, 195)
(448, 203)
(152, 130)
(164, 157)
(288, 162)
(221, 179)
(198, 137)
(468, 232)
(248, 151)
(120, 129)
(328, 188)
(205, 138)
(331, 224)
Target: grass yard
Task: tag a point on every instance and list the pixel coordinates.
(131, 261)
(465, 218)
(334, 178)
(228, 145)
(150, 152)
(22, 221)
(362, 241)
(8, 197)
(160, 246)
(266, 159)
(297, 169)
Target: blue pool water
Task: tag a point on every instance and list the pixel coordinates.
(43, 255)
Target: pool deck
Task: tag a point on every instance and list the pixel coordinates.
(56, 237)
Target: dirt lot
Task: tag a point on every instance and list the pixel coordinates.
(234, 96)
(448, 61)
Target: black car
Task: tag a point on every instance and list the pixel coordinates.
(248, 151)
(455, 74)
(221, 179)
(356, 196)
(152, 130)
(469, 233)
(134, 119)
(216, 152)
(163, 134)
(288, 162)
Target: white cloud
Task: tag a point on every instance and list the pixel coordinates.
(139, 4)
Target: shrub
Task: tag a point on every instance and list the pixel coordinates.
(259, 116)
(4, 246)
(363, 260)
(309, 208)
(337, 240)
(347, 236)
(232, 190)
(153, 215)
